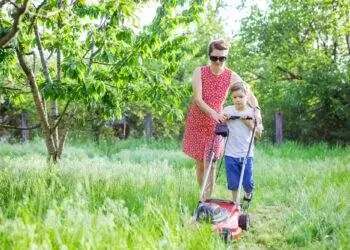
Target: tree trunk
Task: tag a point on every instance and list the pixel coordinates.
(279, 127)
(335, 51)
(39, 105)
(148, 125)
(54, 110)
(54, 106)
(2, 131)
(62, 140)
(347, 38)
(24, 125)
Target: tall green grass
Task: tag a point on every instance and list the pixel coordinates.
(141, 194)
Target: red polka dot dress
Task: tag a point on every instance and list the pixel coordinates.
(199, 128)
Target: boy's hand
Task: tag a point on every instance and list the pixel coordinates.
(246, 117)
(248, 121)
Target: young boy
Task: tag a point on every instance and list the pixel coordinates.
(240, 132)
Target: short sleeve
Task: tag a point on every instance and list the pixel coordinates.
(230, 110)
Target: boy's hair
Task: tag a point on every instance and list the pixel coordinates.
(220, 44)
(239, 86)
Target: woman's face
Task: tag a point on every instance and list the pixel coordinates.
(218, 57)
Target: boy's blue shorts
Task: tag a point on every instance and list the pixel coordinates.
(233, 171)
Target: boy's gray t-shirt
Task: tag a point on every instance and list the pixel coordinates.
(239, 134)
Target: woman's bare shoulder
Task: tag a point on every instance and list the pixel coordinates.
(199, 69)
(234, 76)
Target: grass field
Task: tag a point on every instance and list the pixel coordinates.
(139, 195)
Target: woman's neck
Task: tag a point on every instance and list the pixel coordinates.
(217, 70)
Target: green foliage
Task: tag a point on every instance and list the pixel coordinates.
(108, 64)
(298, 64)
(295, 62)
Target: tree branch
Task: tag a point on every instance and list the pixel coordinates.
(47, 16)
(48, 58)
(2, 3)
(101, 63)
(61, 116)
(93, 54)
(20, 128)
(290, 75)
(41, 53)
(7, 47)
(14, 4)
(14, 89)
(40, 6)
(17, 17)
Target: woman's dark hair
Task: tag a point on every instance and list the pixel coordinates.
(217, 44)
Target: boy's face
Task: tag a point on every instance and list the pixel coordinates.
(239, 98)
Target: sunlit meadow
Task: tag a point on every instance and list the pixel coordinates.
(140, 195)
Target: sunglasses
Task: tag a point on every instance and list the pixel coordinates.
(216, 58)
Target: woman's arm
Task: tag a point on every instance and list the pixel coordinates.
(197, 96)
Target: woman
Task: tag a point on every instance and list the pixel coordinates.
(211, 84)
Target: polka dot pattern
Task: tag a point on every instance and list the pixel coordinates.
(199, 128)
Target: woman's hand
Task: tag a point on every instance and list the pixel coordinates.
(218, 117)
(226, 117)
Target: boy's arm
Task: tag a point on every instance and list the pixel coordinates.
(259, 125)
(250, 123)
(258, 131)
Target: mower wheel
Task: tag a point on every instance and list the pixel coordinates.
(243, 221)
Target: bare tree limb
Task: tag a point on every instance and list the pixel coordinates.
(104, 24)
(101, 63)
(2, 3)
(40, 5)
(20, 128)
(14, 4)
(61, 116)
(14, 89)
(17, 17)
(33, 19)
(7, 47)
(290, 75)
(41, 53)
(46, 16)
(48, 58)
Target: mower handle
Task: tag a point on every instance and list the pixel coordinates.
(235, 117)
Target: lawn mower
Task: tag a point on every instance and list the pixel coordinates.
(229, 218)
